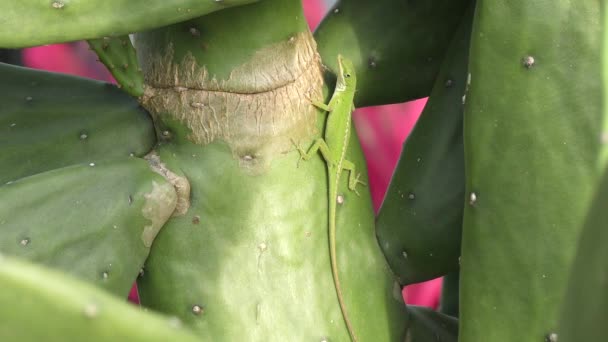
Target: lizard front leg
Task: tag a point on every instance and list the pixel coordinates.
(322, 106)
(319, 145)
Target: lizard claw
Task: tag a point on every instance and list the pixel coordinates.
(353, 183)
(307, 95)
(300, 151)
(357, 181)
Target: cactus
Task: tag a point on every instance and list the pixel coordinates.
(260, 167)
(385, 41)
(189, 168)
(425, 198)
(116, 209)
(588, 279)
(450, 304)
(34, 22)
(427, 325)
(118, 55)
(64, 308)
(530, 164)
(50, 121)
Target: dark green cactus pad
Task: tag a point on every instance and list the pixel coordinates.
(397, 46)
(50, 120)
(94, 221)
(533, 118)
(118, 55)
(33, 22)
(10, 56)
(585, 308)
(43, 305)
(450, 289)
(426, 325)
(420, 221)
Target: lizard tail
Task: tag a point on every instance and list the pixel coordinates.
(332, 255)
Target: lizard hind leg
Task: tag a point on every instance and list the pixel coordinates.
(353, 177)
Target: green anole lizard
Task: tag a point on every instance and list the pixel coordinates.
(333, 149)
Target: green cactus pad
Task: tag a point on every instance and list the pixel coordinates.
(252, 251)
(95, 221)
(532, 127)
(250, 260)
(43, 305)
(586, 303)
(420, 221)
(427, 325)
(11, 56)
(118, 55)
(397, 46)
(206, 52)
(50, 120)
(450, 289)
(34, 22)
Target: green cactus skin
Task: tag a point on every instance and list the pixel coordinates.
(584, 311)
(260, 270)
(34, 22)
(532, 138)
(10, 56)
(585, 305)
(428, 325)
(250, 258)
(49, 121)
(450, 289)
(604, 153)
(420, 221)
(94, 221)
(118, 55)
(208, 41)
(396, 46)
(44, 305)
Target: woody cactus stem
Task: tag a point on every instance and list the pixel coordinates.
(229, 92)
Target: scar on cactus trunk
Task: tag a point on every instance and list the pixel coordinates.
(256, 111)
(228, 93)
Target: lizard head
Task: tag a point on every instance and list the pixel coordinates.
(346, 76)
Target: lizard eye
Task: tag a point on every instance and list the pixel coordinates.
(347, 75)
